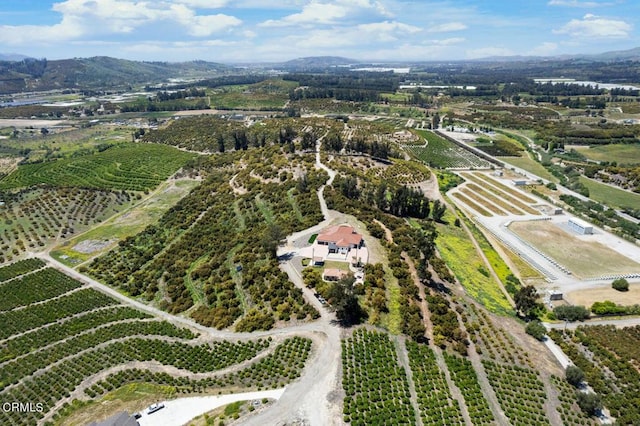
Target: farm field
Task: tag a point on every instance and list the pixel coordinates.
(53, 351)
(125, 224)
(588, 297)
(34, 219)
(375, 385)
(473, 204)
(511, 193)
(460, 255)
(269, 95)
(483, 202)
(583, 259)
(68, 142)
(131, 167)
(442, 154)
(610, 195)
(597, 349)
(628, 154)
(204, 236)
(531, 166)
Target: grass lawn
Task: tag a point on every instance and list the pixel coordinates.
(335, 264)
(583, 258)
(531, 166)
(628, 154)
(609, 195)
(458, 252)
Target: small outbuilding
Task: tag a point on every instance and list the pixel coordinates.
(579, 226)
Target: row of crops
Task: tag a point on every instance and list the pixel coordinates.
(33, 218)
(441, 388)
(376, 387)
(41, 285)
(608, 356)
(443, 154)
(132, 167)
(20, 268)
(57, 335)
(437, 406)
(497, 193)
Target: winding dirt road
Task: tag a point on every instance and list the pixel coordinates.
(315, 398)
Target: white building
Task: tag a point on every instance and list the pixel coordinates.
(580, 226)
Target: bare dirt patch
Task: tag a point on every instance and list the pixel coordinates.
(8, 164)
(92, 246)
(589, 296)
(583, 258)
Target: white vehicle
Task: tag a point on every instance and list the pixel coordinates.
(155, 407)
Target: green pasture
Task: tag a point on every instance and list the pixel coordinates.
(610, 195)
(530, 165)
(623, 154)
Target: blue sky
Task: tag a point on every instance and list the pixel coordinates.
(277, 30)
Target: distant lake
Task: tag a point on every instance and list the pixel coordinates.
(607, 86)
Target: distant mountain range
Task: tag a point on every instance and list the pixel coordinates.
(29, 74)
(12, 57)
(19, 73)
(614, 56)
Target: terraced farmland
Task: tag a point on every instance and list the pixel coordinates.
(442, 154)
(59, 334)
(131, 167)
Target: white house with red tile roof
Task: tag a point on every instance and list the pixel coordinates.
(340, 239)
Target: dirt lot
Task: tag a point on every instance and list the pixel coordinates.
(588, 297)
(583, 258)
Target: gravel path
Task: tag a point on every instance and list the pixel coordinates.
(315, 399)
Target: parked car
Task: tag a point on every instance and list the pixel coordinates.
(155, 407)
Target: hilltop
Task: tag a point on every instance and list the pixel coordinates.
(93, 73)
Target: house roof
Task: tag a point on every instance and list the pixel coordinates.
(342, 236)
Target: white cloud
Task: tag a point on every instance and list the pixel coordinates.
(89, 19)
(204, 26)
(447, 41)
(325, 13)
(485, 52)
(388, 26)
(592, 26)
(447, 27)
(544, 49)
(205, 4)
(578, 3)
